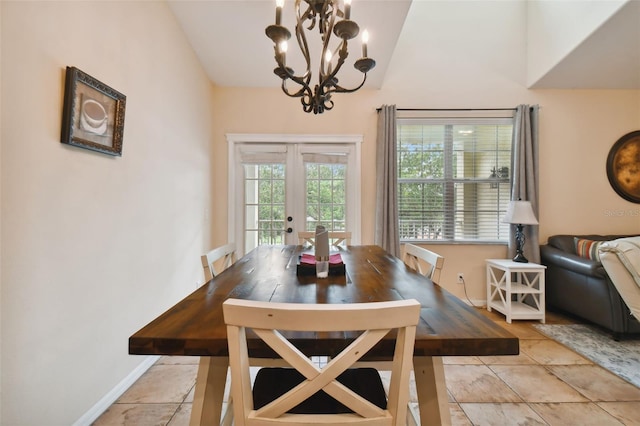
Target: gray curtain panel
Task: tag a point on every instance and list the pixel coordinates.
(525, 175)
(386, 235)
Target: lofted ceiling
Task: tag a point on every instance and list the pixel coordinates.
(229, 39)
(608, 59)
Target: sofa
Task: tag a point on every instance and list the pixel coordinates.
(578, 284)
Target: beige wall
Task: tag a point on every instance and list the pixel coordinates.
(94, 246)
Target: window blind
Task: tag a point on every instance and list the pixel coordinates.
(454, 178)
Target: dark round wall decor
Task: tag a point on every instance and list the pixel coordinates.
(623, 167)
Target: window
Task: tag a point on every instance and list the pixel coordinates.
(454, 178)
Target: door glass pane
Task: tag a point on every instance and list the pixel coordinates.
(326, 203)
(264, 204)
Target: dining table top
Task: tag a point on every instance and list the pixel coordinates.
(447, 327)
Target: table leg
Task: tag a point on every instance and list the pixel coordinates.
(432, 390)
(209, 393)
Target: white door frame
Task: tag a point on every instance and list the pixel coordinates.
(354, 217)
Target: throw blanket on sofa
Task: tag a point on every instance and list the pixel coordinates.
(621, 260)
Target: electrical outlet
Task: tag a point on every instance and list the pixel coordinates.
(460, 278)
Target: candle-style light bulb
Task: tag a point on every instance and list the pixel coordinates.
(365, 40)
(279, 6)
(282, 47)
(327, 58)
(347, 9)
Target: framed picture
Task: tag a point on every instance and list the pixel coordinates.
(623, 167)
(93, 114)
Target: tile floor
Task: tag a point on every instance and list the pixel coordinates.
(547, 384)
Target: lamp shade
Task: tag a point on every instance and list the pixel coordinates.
(520, 212)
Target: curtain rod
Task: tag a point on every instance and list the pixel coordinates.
(452, 109)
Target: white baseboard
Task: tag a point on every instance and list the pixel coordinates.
(115, 393)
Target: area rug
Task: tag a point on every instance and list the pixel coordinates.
(621, 358)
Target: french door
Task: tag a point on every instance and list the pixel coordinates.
(282, 184)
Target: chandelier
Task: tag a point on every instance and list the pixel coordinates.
(327, 16)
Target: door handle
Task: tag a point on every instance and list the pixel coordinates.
(289, 230)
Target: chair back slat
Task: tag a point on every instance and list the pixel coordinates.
(224, 255)
(423, 261)
(337, 239)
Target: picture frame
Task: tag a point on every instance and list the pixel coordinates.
(623, 166)
(93, 114)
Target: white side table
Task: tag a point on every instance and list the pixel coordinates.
(509, 283)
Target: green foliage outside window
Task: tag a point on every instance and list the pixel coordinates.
(326, 203)
(265, 183)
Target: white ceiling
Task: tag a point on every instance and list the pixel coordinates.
(229, 39)
(608, 59)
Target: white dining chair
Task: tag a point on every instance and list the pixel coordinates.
(291, 395)
(224, 256)
(423, 261)
(337, 239)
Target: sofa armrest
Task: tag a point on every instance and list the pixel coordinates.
(562, 259)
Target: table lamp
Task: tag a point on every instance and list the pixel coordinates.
(520, 213)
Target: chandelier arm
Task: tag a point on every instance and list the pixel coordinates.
(330, 80)
(308, 102)
(324, 25)
(309, 14)
(327, 105)
(304, 47)
(339, 89)
(305, 78)
(320, 101)
(299, 93)
(324, 74)
(287, 73)
(304, 90)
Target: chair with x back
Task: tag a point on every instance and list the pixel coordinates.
(337, 239)
(308, 394)
(224, 255)
(416, 257)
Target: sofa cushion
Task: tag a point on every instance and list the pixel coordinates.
(621, 260)
(587, 248)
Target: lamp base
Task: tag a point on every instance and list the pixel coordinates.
(520, 258)
(520, 238)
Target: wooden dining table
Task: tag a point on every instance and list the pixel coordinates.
(448, 327)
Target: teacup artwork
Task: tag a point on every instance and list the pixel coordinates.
(92, 114)
(93, 117)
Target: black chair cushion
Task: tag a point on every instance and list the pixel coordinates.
(270, 383)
